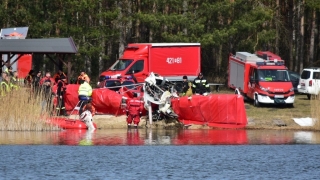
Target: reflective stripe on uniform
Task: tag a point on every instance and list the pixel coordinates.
(85, 89)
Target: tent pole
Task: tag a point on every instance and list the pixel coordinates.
(150, 113)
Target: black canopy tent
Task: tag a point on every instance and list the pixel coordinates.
(62, 48)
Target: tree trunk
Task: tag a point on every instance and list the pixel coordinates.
(301, 36)
(185, 10)
(312, 38)
(154, 10)
(291, 33)
(297, 38)
(102, 42)
(277, 27)
(121, 29)
(137, 36)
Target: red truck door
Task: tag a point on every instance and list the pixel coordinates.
(252, 82)
(138, 69)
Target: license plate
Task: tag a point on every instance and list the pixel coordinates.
(278, 96)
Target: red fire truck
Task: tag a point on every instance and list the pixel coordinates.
(170, 60)
(264, 79)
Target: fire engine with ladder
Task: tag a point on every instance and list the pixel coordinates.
(261, 77)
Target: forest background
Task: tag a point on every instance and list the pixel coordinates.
(102, 28)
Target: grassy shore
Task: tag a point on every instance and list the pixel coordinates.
(22, 111)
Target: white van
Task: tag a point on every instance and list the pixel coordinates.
(309, 82)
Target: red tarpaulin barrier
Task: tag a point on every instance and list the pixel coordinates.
(215, 110)
(24, 65)
(107, 101)
(71, 96)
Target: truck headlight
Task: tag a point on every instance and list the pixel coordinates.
(292, 89)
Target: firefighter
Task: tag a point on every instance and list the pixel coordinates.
(83, 76)
(36, 82)
(187, 89)
(56, 77)
(134, 110)
(84, 92)
(201, 85)
(14, 82)
(87, 114)
(90, 108)
(61, 90)
(8, 69)
(46, 87)
(29, 78)
(5, 84)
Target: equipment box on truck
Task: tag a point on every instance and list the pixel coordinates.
(170, 60)
(264, 81)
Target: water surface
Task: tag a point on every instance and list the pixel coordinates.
(145, 154)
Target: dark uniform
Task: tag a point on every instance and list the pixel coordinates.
(201, 85)
(29, 79)
(36, 83)
(187, 88)
(61, 109)
(47, 91)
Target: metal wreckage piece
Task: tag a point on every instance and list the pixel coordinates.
(159, 90)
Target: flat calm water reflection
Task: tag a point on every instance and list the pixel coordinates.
(165, 154)
(158, 137)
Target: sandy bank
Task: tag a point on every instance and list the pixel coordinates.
(119, 122)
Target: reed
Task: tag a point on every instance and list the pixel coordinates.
(20, 110)
(315, 111)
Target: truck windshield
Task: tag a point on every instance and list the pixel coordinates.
(274, 75)
(121, 64)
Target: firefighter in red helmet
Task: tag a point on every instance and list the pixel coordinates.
(134, 110)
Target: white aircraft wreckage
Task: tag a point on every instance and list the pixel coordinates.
(159, 91)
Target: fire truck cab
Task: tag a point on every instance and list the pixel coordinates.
(265, 81)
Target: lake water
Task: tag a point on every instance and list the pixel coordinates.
(170, 154)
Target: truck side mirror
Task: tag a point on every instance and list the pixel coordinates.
(252, 79)
(130, 72)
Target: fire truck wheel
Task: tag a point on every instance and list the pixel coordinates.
(256, 102)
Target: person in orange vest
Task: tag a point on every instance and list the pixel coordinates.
(56, 77)
(61, 90)
(134, 110)
(83, 76)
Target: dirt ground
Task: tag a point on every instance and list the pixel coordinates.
(119, 122)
